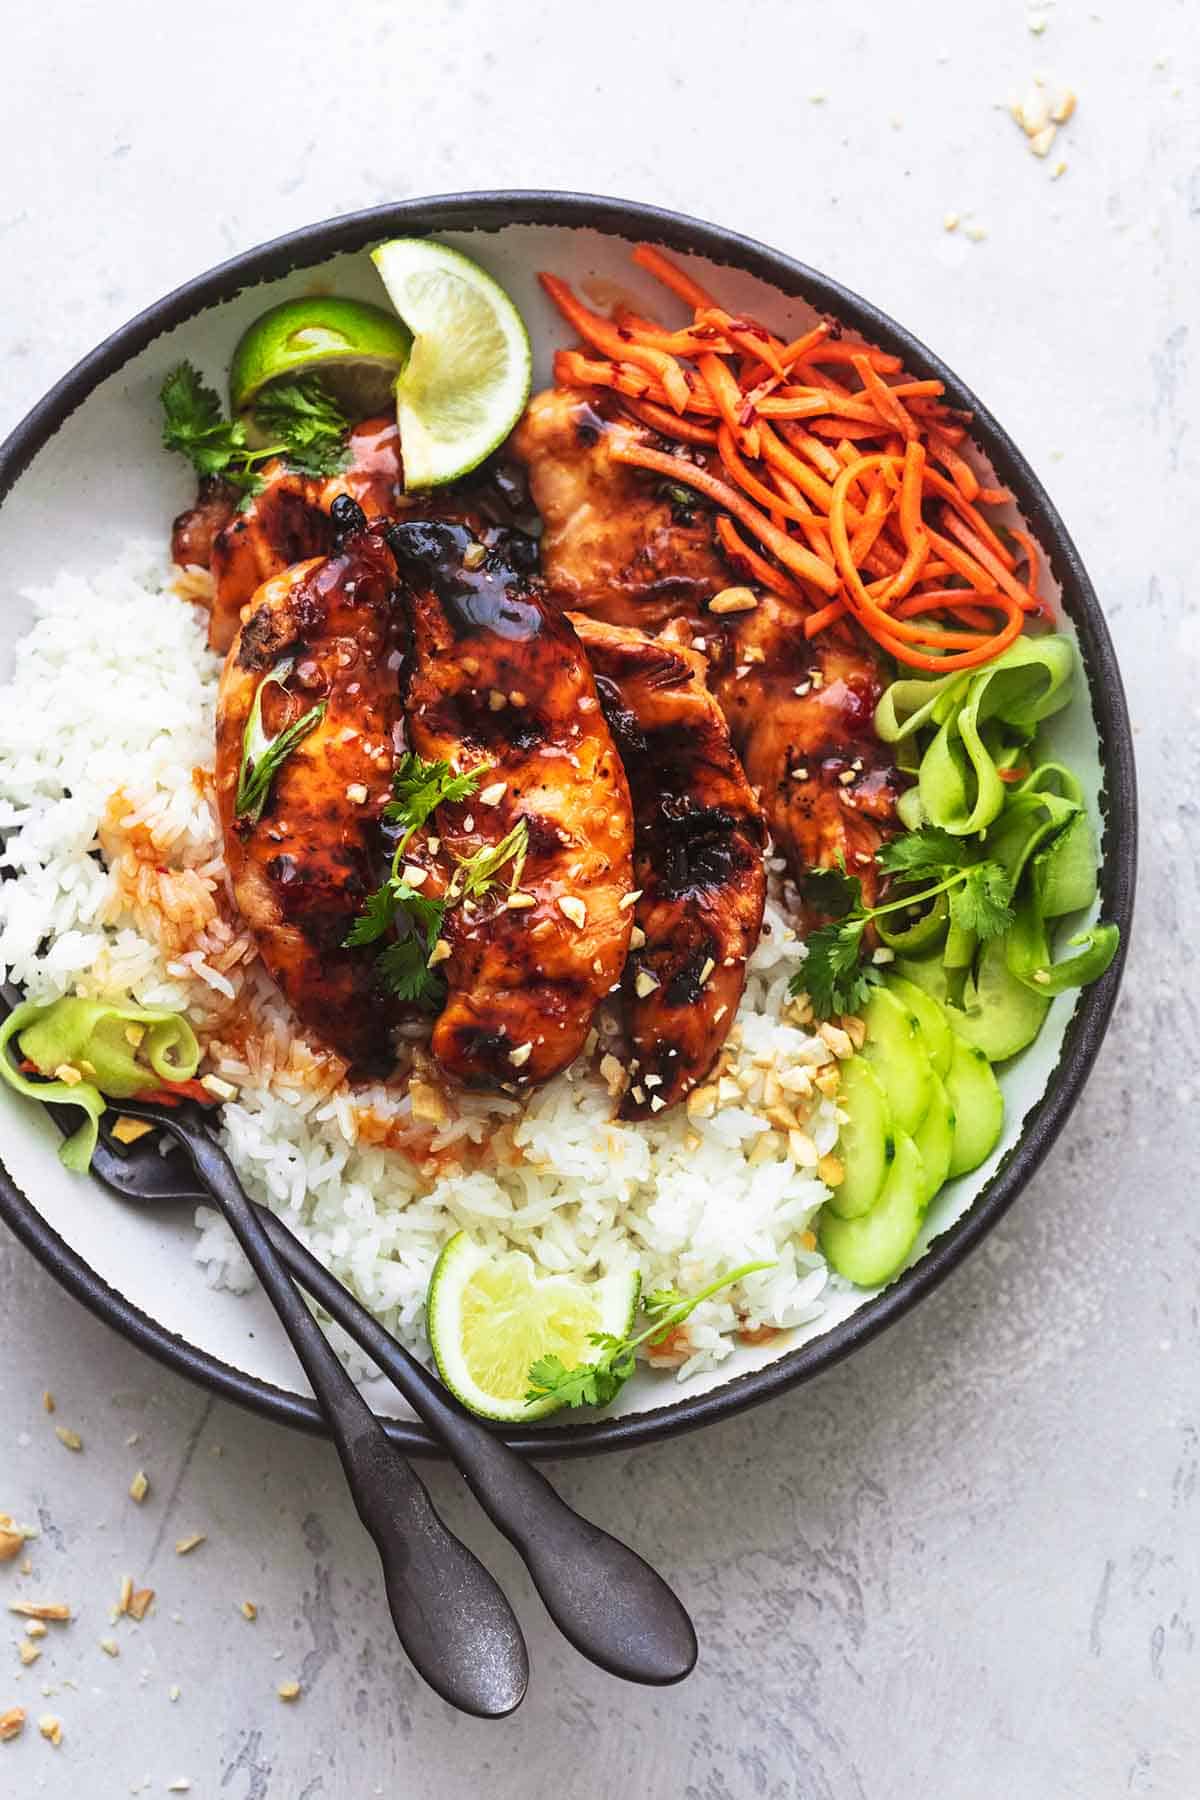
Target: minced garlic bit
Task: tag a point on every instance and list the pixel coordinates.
(12, 1724)
(185, 1545)
(572, 907)
(645, 983)
(70, 1440)
(51, 1729)
(439, 954)
(520, 1056)
(733, 600)
(139, 1487)
(493, 795)
(288, 1690)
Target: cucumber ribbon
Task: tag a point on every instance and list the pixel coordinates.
(983, 724)
(959, 786)
(118, 1051)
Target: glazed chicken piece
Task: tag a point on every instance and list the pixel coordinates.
(287, 521)
(617, 542)
(698, 860)
(801, 714)
(499, 679)
(301, 871)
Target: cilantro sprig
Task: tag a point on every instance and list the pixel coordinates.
(412, 920)
(305, 425)
(598, 1383)
(978, 892)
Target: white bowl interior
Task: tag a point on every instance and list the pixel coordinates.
(102, 480)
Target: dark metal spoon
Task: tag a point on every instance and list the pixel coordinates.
(450, 1614)
(608, 1602)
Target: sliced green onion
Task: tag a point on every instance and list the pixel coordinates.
(262, 756)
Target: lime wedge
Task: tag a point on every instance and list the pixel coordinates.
(466, 383)
(357, 349)
(490, 1316)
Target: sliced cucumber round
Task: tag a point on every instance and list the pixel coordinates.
(897, 1054)
(999, 1015)
(935, 1139)
(871, 1249)
(978, 1107)
(866, 1146)
(936, 1036)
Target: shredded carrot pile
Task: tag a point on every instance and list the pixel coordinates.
(837, 480)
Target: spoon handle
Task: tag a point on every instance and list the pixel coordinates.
(608, 1602)
(449, 1613)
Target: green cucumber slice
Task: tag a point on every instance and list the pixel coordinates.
(978, 1106)
(937, 1039)
(896, 1053)
(870, 1250)
(999, 1015)
(866, 1146)
(935, 1138)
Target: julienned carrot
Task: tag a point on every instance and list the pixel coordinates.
(573, 369)
(605, 336)
(671, 276)
(791, 554)
(751, 338)
(750, 483)
(814, 525)
(972, 517)
(1032, 558)
(842, 350)
(669, 424)
(886, 403)
(689, 341)
(1003, 577)
(961, 472)
(746, 559)
(822, 458)
(725, 391)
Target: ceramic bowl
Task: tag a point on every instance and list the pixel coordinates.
(84, 472)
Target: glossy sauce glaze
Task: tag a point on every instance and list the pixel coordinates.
(301, 873)
(498, 679)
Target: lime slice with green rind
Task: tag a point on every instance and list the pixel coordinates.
(490, 1316)
(467, 380)
(357, 349)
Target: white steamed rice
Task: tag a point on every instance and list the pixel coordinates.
(106, 732)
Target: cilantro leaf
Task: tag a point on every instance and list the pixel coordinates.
(193, 423)
(419, 788)
(404, 969)
(832, 973)
(833, 892)
(981, 903)
(309, 424)
(375, 918)
(925, 853)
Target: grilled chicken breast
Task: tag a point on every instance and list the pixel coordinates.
(801, 715)
(287, 521)
(698, 860)
(498, 679)
(301, 871)
(615, 544)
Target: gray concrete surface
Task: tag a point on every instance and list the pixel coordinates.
(964, 1564)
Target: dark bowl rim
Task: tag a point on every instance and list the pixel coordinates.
(633, 220)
